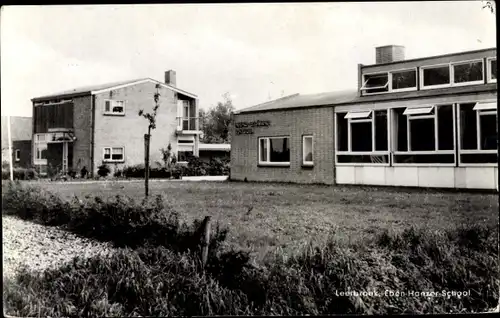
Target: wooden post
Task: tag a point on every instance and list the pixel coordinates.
(205, 240)
(146, 164)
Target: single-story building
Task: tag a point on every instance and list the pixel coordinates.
(426, 122)
(21, 134)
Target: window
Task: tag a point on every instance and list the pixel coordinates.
(113, 154)
(114, 107)
(375, 83)
(307, 150)
(17, 155)
(183, 156)
(185, 141)
(478, 132)
(362, 137)
(424, 134)
(274, 150)
(40, 148)
(435, 76)
(468, 72)
(404, 80)
(492, 70)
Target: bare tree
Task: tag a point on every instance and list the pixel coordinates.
(151, 117)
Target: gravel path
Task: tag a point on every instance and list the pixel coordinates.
(40, 247)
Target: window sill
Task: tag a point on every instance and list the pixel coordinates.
(113, 114)
(113, 161)
(307, 165)
(274, 165)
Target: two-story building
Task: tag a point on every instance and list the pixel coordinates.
(426, 122)
(95, 125)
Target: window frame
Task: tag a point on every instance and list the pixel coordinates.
(425, 67)
(111, 154)
(110, 112)
(436, 150)
(37, 142)
(489, 79)
(452, 72)
(349, 151)
(304, 161)
(17, 155)
(268, 152)
(408, 89)
(363, 87)
(478, 149)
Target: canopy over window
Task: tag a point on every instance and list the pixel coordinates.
(418, 110)
(358, 115)
(485, 106)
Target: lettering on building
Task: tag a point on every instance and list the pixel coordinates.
(246, 127)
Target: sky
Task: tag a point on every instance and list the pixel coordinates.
(254, 52)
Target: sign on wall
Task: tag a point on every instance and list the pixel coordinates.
(246, 127)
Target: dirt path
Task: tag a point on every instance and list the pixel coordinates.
(41, 247)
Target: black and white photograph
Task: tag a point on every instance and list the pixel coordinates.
(250, 159)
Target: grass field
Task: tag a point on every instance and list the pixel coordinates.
(290, 216)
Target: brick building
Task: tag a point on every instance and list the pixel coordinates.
(427, 122)
(95, 125)
(21, 135)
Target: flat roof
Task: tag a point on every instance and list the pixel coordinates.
(214, 147)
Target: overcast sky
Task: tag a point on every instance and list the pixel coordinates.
(252, 51)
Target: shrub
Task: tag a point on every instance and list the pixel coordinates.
(20, 174)
(103, 170)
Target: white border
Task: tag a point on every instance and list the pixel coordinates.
(304, 162)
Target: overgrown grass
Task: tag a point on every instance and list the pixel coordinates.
(159, 282)
(119, 220)
(162, 275)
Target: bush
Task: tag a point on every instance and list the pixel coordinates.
(103, 171)
(20, 174)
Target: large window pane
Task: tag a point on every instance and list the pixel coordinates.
(117, 154)
(280, 150)
(401, 130)
(468, 127)
(404, 79)
(342, 132)
(469, 72)
(445, 127)
(422, 134)
(488, 133)
(381, 130)
(436, 75)
(263, 149)
(361, 136)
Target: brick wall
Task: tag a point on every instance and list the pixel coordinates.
(82, 124)
(25, 153)
(128, 130)
(295, 124)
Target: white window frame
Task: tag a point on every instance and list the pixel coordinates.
(436, 151)
(349, 151)
(408, 89)
(111, 154)
(479, 112)
(364, 88)
(488, 70)
(268, 152)
(452, 72)
(17, 155)
(426, 67)
(110, 112)
(304, 161)
(40, 139)
(181, 148)
(390, 89)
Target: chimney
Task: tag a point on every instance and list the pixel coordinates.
(170, 78)
(389, 53)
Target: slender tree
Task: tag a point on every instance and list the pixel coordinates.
(151, 117)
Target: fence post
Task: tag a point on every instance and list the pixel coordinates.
(205, 240)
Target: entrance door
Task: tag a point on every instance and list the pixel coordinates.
(54, 158)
